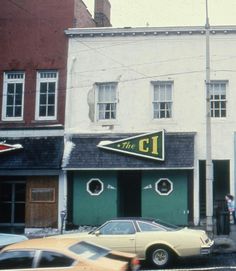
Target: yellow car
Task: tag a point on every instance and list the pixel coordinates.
(64, 254)
(152, 240)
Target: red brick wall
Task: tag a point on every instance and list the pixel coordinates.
(84, 17)
(32, 38)
(102, 13)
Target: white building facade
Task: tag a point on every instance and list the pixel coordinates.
(134, 81)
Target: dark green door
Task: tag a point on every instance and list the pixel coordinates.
(165, 196)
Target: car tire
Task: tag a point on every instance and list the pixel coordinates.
(160, 256)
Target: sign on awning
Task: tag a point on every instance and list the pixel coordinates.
(7, 147)
(150, 145)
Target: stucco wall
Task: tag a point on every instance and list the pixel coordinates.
(133, 62)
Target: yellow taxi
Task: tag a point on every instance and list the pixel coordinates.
(64, 254)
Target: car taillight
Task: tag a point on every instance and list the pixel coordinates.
(135, 264)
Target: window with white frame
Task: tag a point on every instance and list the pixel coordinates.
(106, 101)
(162, 100)
(13, 95)
(218, 99)
(95, 187)
(46, 106)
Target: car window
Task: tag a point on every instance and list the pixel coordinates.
(54, 259)
(16, 259)
(166, 225)
(118, 227)
(145, 226)
(89, 251)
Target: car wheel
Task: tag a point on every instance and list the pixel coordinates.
(160, 256)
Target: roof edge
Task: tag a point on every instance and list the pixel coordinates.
(155, 31)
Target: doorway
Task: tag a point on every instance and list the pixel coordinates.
(221, 184)
(129, 193)
(12, 201)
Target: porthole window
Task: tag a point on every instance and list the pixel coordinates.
(95, 187)
(164, 186)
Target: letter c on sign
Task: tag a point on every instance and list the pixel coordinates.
(143, 145)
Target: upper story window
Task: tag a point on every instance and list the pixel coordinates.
(106, 101)
(47, 86)
(218, 99)
(13, 95)
(162, 100)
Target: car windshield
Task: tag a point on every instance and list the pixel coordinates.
(89, 251)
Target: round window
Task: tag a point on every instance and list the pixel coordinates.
(94, 187)
(164, 186)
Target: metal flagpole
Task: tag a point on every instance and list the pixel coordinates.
(209, 164)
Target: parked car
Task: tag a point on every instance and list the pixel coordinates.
(152, 240)
(7, 239)
(62, 254)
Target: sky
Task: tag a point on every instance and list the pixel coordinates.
(158, 13)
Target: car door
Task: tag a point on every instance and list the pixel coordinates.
(117, 235)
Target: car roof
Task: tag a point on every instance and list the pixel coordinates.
(147, 219)
(44, 243)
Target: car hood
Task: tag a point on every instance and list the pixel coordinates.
(7, 239)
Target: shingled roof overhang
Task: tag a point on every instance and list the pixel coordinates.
(85, 155)
(36, 153)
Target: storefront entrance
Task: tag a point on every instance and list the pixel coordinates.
(129, 193)
(221, 185)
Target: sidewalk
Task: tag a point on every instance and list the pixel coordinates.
(225, 243)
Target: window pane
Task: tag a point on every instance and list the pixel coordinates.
(51, 99)
(101, 94)
(168, 93)
(43, 99)
(155, 94)
(51, 110)
(19, 192)
(42, 111)
(51, 87)
(19, 89)
(43, 88)
(162, 93)
(16, 259)
(9, 112)
(10, 99)
(148, 226)
(13, 95)
(223, 113)
(106, 101)
(162, 100)
(10, 88)
(5, 217)
(6, 191)
(18, 100)
(19, 213)
(18, 111)
(218, 100)
(47, 94)
(53, 259)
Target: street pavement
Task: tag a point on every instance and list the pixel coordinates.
(225, 243)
